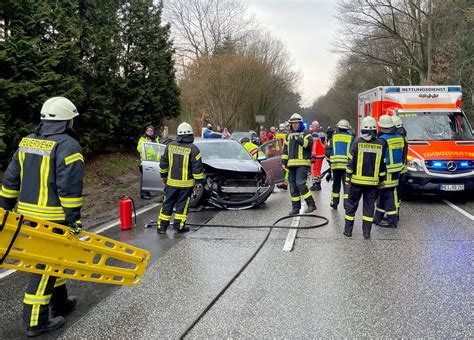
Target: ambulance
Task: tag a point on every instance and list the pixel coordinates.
(440, 138)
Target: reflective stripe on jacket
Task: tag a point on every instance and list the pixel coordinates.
(338, 150)
(297, 149)
(45, 176)
(253, 150)
(181, 164)
(367, 162)
(394, 157)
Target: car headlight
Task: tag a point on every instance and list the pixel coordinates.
(414, 164)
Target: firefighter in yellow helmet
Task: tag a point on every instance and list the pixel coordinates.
(297, 157)
(337, 155)
(181, 169)
(45, 179)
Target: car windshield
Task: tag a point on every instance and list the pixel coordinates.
(218, 150)
(436, 126)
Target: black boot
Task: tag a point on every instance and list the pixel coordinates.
(66, 308)
(347, 233)
(182, 230)
(386, 224)
(333, 205)
(311, 208)
(366, 235)
(294, 212)
(51, 325)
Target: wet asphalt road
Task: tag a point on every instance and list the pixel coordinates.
(414, 281)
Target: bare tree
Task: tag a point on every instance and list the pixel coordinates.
(200, 27)
(394, 33)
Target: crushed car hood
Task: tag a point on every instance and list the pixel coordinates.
(233, 165)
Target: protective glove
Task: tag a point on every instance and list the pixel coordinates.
(164, 180)
(348, 182)
(329, 176)
(381, 185)
(75, 228)
(283, 167)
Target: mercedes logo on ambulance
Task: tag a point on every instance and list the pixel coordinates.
(452, 166)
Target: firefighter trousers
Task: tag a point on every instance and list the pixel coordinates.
(43, 291)
(179, 199)
(338, 179)
(356, 192)
(297, 179)
(387, 204)
(399, 194)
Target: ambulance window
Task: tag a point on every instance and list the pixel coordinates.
(436, 126)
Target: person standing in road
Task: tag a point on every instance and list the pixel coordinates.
(148, 137)
(181, 169)
(365, 173)
(401, 131)
(208, 133)
(45, 179)
(337, 155)
(272, 133)
(296, 157)
(387, 200)
(317, 154)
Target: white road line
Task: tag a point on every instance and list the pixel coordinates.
(291, 237)
(455, 207)
(98, 231)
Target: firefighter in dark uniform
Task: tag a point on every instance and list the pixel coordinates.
(180, 168)
(401, 131)
(45, 179)
(337, 153)
(365, 173)
(296, 157)
(388, 201)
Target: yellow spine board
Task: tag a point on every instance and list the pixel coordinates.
(89, 257)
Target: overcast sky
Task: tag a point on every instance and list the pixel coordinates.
(306, 27)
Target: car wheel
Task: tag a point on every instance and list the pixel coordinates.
(196, 197)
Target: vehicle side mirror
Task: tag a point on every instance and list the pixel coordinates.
(261, 158)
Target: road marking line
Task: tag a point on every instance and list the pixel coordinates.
(291, 237)
(98, 231)
(455, 207)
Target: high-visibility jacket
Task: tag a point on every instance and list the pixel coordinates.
(367, 162)
(394, 157)
(45, 175)
(253, 150)
(150, 152)
(401, 131)
(181, 163)
(338, 150)
(297, 149)
(319, 143)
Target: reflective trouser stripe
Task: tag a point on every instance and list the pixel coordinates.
(307, 195)
(346, 196)
(36, 299)
(335, 195)
(368, 219)
(164, 217)
(381, 210)
(295, 198)
(349, 218)
(394, 212)
(36, 306)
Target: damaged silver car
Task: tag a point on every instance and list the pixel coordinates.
(233, 179)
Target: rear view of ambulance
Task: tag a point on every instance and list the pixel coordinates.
(441, 141)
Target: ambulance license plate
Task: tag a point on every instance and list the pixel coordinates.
(452, 187)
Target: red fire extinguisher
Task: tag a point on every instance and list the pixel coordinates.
(126, 206)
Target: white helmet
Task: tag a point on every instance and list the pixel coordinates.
(295, 118)
(282, 126)
(58, 108)
(343, 124)
(397, 121)
(386, 122)
(368, 123)
(185, 129)
(315, 124)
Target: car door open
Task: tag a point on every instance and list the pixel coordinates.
(151, 178)
(271, 164)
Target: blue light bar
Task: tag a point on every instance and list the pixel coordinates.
(438, 164)
(392, 89)
(454, 88)
(464, 164)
